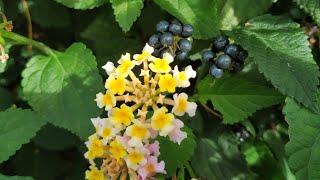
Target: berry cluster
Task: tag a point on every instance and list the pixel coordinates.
(224, 56)
(172, 37)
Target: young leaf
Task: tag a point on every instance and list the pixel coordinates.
(175, 155)
(17, 127)
(62, 88)
(312, 7)
(235, 97)
(304, 145)
(126, 12)
(3, 177)
(81, 4)
(201, 14)
(280, 49)
(233, 12)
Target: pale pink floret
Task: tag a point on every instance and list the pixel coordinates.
(151, 168)
(154, 148)
(176, 135)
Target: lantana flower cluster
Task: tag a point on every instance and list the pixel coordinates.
(139, 108)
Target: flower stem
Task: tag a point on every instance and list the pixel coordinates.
(21, 40)
(190, 170)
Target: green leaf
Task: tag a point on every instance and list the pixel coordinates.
(3, 67)
(126, 12)
(235, 97)
(201, 14)
(303, 148)
(103, 28)
(81, 4)
(48, 13)
(233, 12)
(17, 127)
(6, 99)
(3, 177)
(218, 158)
(280, 49)
(312, 7)
(38, 163)
(175, 155)
(62, 88)
(54, 138)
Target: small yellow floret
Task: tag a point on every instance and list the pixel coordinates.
(94, 174)
(95, 148)
(116, 85)
(125, 67)
(122, 116)
(162, 121)
(117, 150)
(160, 66)
(167, 83)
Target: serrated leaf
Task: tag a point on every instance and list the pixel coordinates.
(81, 4)
(218, 159)
(175, 155)
(48, 13)
(312, 7)
(3, 177)
(201, 14)
(126, 12)
(280, 49)
(233, 12)
(103, 28)
(62, 88)
(303, 148)
(235, 97)
(54, 138)
(17, 127)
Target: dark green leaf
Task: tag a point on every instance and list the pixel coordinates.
(175, 155)
(236, 98)
(82, 4)
(6, 99)
(126, 12)
(3, 177)
(17, 127)
(312, 7)
(304, 145)
(62, 88)
(201, 14)
(280, 49)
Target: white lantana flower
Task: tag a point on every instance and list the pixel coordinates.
(182, 77)
(182, 106)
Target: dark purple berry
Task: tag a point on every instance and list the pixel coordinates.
(207, 55)
(185, 45)
(242, 55)
(154, 40)
(182, 55)
(166, 39)
(187, 30)
(232, 50)
(216, 72)
(162, 26)
(219, 43)
(175, 28)
(223, 61)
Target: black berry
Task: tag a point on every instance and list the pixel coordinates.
(185, 45)
(175, 28)
(232, 50)
(187, 30)
(242, 55)
(219, 43)
(224, 61)
(181, 55)
(216, 72)
(154, 40)
(166, 39)
(162, 26)
(207, 55)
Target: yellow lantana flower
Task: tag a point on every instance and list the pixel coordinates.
(117, 150)
(121, 116)
(162, 121)
(135, 158)
(126, 65)
(106, 100)
(167, 83)
(181, 105)
(116, 85)
(95, 148)
(94, 174)
(138, 132)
